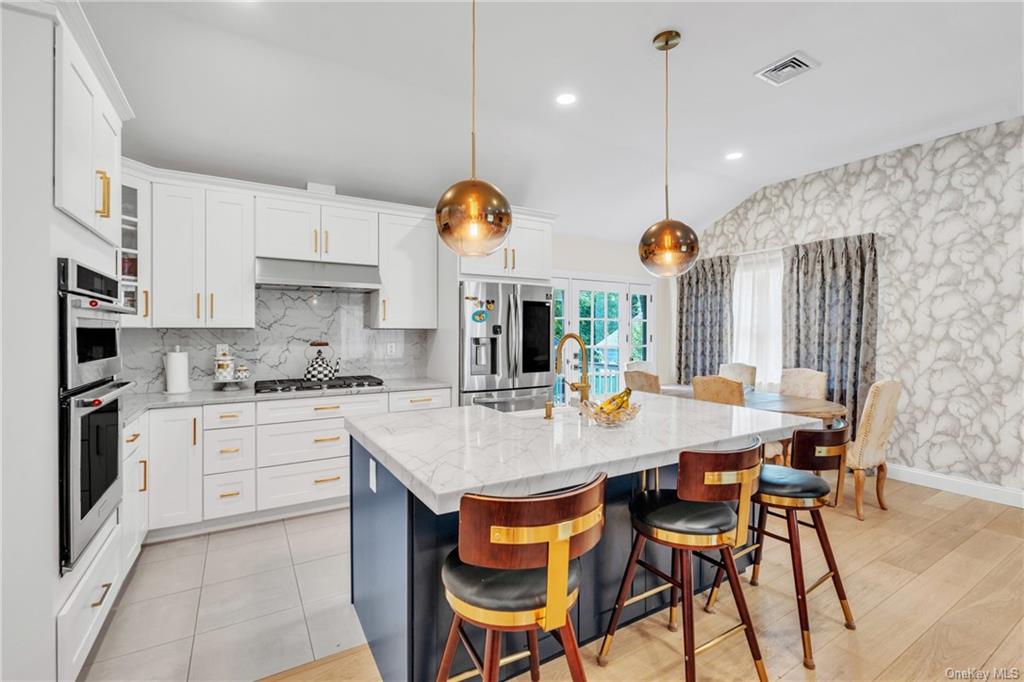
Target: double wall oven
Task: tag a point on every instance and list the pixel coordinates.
(506, 345)
(89, 404)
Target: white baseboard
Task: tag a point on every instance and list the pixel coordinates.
(962, 486)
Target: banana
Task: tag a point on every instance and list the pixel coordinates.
(617, 402)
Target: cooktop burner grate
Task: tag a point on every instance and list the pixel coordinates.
(290, 385)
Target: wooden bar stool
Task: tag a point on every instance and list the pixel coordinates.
(697, 515)
(515, 569)
(793, 490)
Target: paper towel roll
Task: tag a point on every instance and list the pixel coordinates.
(176, 371)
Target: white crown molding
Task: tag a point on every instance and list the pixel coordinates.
(983, 491)
(154, 174)
(69, 14)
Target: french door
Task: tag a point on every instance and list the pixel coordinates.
(615, 321)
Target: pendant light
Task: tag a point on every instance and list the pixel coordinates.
(473, 217)
(668, 248)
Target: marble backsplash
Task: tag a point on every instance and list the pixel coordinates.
(286, 321)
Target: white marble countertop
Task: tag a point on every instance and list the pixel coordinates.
(441, 454)
(135, 404)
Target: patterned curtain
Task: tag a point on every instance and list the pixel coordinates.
(705, 317)
(830, 314)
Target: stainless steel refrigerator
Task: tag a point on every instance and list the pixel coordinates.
(506, 354)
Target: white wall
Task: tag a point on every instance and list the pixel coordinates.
(34, 234)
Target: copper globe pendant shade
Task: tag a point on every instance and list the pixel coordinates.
(473, 217)
(668, 248)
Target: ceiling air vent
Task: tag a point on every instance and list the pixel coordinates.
(786, 69)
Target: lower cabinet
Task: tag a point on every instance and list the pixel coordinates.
(134, 510)
(294, 442)
(80, 619)
(175, 466)
(229, 494)
(289, 484)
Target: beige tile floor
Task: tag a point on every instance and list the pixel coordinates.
(234, 605)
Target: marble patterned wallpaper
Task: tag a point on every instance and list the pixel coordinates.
(950, 218)
(286, 321)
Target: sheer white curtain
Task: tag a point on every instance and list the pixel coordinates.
(757, 316)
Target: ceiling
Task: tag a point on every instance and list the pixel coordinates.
(374, 97)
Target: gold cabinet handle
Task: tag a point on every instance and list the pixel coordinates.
(318, 481)
(195, 434)
(229, 451)
(145, 302)
(327, 241)
(513, 259)
(327, 439)
(421, 400)
(134, 437)
(320, 408)
(104, 212)
(233, 493)
(229, 415)
(505, 266)
(199, 302)
(385, 317)
(106, 589)
(211, 305)
(316, 241)
(145, 475)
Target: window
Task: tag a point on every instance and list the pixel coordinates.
(757, 316)
(641, 336)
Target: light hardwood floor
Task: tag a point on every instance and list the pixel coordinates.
(935, 583)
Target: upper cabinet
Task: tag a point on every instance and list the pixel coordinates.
(203, 263)
(136, 251)
(87, 144)
(297, 230)
(526, 254)
(408, 273)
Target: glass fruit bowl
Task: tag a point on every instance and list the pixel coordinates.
(618, 417)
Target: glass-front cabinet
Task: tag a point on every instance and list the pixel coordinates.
(136, 272)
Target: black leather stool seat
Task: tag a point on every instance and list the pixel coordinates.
(501, 589)
(782, 481)
(663, 510)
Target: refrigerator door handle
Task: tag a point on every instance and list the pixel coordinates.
(508, 337)
(516, 338)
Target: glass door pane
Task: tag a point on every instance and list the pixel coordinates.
(641, 324)
(598, 307)
(560, 291)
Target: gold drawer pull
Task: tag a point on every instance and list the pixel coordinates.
(318, 481)
(145, 298)
(327, 439)
(320, 408)
(106, 589)
(145, 475)
(421, 400)
(104, 212)
(233, 493)
(134, 437)
(228, 451)
(230, 415)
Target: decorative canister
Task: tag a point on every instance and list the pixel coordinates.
(224, 368)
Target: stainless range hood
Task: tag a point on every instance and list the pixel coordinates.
(278, 273)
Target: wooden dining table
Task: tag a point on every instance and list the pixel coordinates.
(774, 402)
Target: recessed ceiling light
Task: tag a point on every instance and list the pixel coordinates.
(566, 98)
(732, 156)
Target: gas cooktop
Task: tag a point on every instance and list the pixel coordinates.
(290, 385)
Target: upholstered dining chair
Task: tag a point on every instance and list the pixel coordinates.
(642, 381)
(873, 433)
(737, 371)
(804, 383)
(716, 389)
(641, 366)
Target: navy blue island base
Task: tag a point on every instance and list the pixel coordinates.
(399, 545)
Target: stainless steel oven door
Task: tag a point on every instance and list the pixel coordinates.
(91, 426)
(91, 340)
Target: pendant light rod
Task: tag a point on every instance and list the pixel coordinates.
(472, 134)
(666, 134)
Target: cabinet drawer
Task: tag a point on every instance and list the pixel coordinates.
(419, 400)
(227, 450)
(300, 442)
(305, 482)
(134, 437)
(228, 415)
(82, 616)
(227, 494)
(328, 407)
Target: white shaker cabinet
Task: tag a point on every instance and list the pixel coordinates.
(525, 255)
(408, 271)
(179, 256)
(175, 466)
(87, 144)
(230, 261)
(348, 235)
(136, 251)
(287, 229)
(134, 510)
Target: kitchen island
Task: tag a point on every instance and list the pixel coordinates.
(409, 471)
